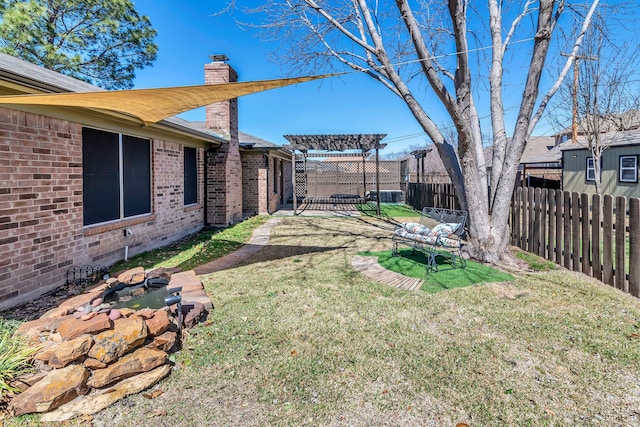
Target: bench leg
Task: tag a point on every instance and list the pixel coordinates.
(432, 265)
(457, 260)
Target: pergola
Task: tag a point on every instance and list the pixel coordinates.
(332, 143)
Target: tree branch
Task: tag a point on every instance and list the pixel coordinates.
(565, 70)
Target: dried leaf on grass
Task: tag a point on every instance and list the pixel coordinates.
(153, 394)
(158, 413)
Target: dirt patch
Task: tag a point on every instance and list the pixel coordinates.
(35, 309)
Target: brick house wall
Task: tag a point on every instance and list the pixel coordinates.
(254, 183)
(224, 198)
(41, 217)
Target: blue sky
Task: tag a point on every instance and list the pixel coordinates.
(188, 32)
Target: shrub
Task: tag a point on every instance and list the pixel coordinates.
(15, 359)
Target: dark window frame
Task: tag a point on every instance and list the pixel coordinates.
(635, 169)
(116, 176)
(275, 176)
(190, 181)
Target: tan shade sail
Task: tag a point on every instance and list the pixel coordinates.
(153, 105)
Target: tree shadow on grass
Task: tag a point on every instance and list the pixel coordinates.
(250, 254)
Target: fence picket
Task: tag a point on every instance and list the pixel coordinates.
(517, 212)
(596, 228)
(551, 214)
(566, 243)
(575, 231)
(607, 237)
(542, 248)
(535, 209)
(620, 269)
(634, 246)
(559, 226)
(531, 223)
(586, 233)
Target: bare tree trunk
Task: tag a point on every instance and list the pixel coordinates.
(362, 25)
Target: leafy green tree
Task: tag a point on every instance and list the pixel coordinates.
(102, 42)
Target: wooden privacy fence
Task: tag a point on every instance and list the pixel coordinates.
(597, 236)
(420, 195)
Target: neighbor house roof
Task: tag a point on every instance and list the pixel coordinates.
(611, 139)
(244, 139)
(627, 120)
(540, 149)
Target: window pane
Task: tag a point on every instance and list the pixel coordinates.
(190, 176)
(627, 162)
(628, 175)
(591, 173)
(100, 176)
(136, 165)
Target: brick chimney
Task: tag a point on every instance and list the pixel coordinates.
(221, 117)
(224, 168)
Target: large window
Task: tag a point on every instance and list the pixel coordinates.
(190, 176)
(628, 169)
(591, 170)
(116, 173)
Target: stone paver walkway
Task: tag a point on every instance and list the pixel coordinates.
(258, 240)
(366, 265)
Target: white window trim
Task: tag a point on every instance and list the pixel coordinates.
(591, 169)
(627, 168)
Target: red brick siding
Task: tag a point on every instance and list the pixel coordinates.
(41, 231)
(224, 201)
(254, 183)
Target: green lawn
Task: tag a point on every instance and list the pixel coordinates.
(389, 210)
(298, 337)
(413, 265)
(198, 249)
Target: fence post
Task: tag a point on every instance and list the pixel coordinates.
(596, 229)
(634, 246)
(620, 268)
(607, 237)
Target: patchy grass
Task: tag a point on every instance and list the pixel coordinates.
(198, 249)
(298, 337)
(413, 265)
(535, 262)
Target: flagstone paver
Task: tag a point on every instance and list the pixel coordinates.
(258, 240)
(369, 266)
